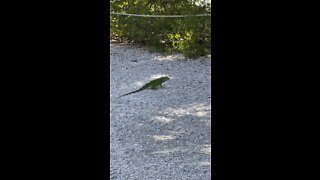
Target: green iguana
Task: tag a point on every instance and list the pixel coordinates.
(151, 85)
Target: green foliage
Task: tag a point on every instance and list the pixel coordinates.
(189, 35)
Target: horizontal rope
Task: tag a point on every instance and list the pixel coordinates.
(173, 16)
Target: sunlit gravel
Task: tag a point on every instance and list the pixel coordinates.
(160, 134)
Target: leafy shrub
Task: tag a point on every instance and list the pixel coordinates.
(188, 35)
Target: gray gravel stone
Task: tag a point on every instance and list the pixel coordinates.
(159, 134)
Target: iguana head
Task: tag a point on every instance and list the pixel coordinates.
(164, 79)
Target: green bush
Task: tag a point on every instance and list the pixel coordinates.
(188, 35)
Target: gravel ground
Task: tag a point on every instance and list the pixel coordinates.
(165, 133)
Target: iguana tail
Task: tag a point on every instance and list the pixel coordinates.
(130, 93)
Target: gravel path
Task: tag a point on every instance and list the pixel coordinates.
(159, 134)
